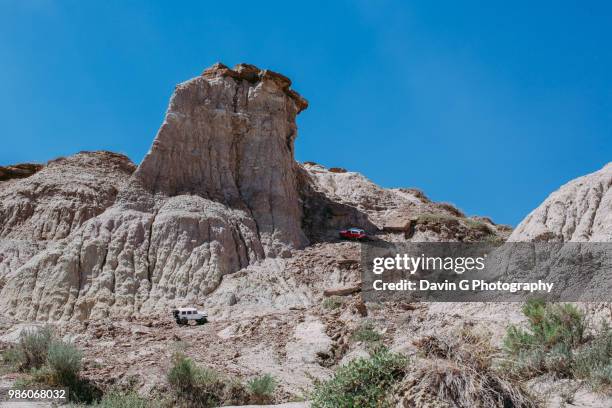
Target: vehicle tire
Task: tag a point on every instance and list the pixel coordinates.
(201, 321)
(184, 322)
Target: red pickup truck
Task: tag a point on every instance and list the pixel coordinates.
(353, 233)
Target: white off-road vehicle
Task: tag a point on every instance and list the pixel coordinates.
(184, 315)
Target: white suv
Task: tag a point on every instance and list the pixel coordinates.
(183, 315)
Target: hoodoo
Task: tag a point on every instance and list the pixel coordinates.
(217, 191)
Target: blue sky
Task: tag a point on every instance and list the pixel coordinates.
(490, 107)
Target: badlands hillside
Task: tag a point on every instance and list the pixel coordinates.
(220, 216)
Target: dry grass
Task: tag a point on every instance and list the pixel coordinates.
(459, 373)
(450, 208)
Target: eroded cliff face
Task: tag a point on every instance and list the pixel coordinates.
(580, 211)
(91, 236)
(217, 191)
(228, 137)
(48, 203)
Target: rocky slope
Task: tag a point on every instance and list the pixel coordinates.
(402, 213)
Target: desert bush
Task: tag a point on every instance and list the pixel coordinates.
(11, 358)
(33, 347)
(458, 372)
(51, 362)
(183, 373)
(234, 393)
(125, 400)
(332, 302)
(31, 350)
(554, 328)
(200, 387)
(493, 239)
(555, 342)
(364, 382)
(64, 361)
(366, 333)
(262, 388)
(593, 361)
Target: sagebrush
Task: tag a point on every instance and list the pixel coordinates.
(201, 387)
(556, 342)
(262, 388)
(364, 382)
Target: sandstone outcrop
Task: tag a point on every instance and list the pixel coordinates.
(228, 137)
(580, 211)
(217, 191)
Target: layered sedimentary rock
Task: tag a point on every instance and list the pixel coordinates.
(92, 236)
(580, 211)
(54, 200)
(228, 136)
(217, 191)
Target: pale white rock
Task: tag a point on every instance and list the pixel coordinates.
(46, 206)
(309, 341)
(580, 211)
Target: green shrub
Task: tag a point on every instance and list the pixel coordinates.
(33, 347)
(199, 387)
(366, 333)
(332, 303)
(555, 342)
(262, 388)
(593, 362)
(477, 225)
(550, 327)
(64, 360)
(432, 218)
(12, 358)
(125, 400)
(364, 382)
(183, 373)
(51, 362)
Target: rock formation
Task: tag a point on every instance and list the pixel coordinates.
(404, 211)
(228, 137)
(91, 236)
(580, 211)
(217, 191)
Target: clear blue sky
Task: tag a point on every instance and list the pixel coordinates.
(490, 107)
